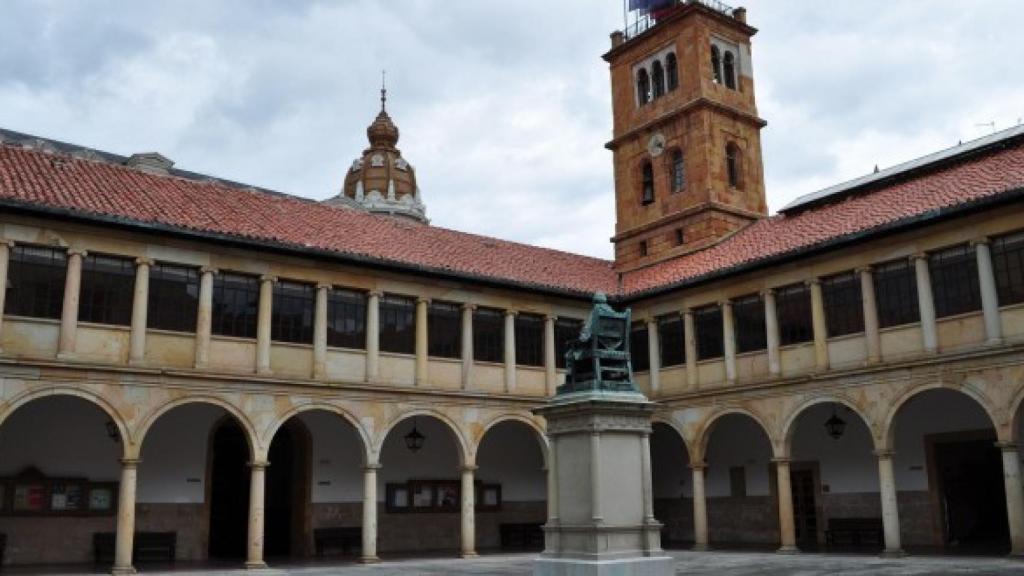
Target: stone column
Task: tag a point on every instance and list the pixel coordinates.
(422, 352)
(595, 478)
(125, 518)
(266, 311)
(872, 336)
(5, 257)
(510, 351)
(820, 327)
(989, 295)
(1014, 496)
(69, 314)
(654, 355)
(690, 350)
(550, 361)
(468, 513)
(369, 555)
(467, 345)
(373, 336)
(787, 527)
(729, 341)
(320, 332)
(204, 316)
(926, 303)
(140, 312)
(700, 508)
(645, 477)
(771, 324)
(890, 508)
(552, 483)
(257, 473)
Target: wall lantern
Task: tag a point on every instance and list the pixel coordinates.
(414, 440)
(835, 426)
(113, 432)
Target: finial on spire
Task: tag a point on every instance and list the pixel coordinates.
(383, 90)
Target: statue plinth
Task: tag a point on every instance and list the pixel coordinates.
(601, 515)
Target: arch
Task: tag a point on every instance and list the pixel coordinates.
(256, 450)
(704, 435)
(129, 445)
(275, 426)
(885, 441)
(464, 453)
(729, 69)
(672, 71)
(657, 79)
(675, 428)
(789, 426)
(716, 64)
(539, 434)
(643, 87)
(1013, 419)
(646, 183)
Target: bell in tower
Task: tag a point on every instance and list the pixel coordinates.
(686, 136)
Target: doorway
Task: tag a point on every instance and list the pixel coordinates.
(229, 492)
(969, 473)
(805, 506)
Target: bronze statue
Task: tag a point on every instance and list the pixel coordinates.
(599, 359)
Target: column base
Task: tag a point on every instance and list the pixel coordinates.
(893, 554)
(700, 547)
(788, 550)
(369, 560)
(67, 356)
(1016, 555)
(256, 565)
(645, 566)
(122, 570)
(469, 555)
(264, 372)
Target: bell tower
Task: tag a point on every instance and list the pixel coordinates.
(686, 138)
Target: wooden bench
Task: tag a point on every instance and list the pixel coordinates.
(147, 547)
(854, 532)
(528, 536)
(347, 539)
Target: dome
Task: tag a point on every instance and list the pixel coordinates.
(382, 133)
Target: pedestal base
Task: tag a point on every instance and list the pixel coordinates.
(645, 566)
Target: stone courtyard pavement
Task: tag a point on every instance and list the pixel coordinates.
(687, 563)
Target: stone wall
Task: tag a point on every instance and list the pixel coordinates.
(749, 520)
(54, 540)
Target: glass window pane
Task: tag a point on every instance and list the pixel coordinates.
(173, 298)
(488, 335)
(529, 340)
(707, 323)
(844, 309)
(955, 284)
(896, 293)
(566, 330)
(748, 317)
(793, 306)
(639, 347)
(444, 330)
(291, 318)
(108, 286)
(346, 319)
(235, 305)
(671, 341)
(35, 282)
(398, 324)
(1008, 264)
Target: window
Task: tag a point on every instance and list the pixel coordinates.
(844, 311)
(748, 317)
(108, 285)
(678, 171)
(955, 283)
(173, 298)
(35, 282)
(896, 293)
(643, 87)
(639, 347)
(346, 319)
(658, 79)
(488, 335)
(444, 330)
(733, 164)
(529, 340)
(291, 318)
(566, 330)
(707, 323)
(672, 71)
(643, 247)
(716, 65)
(398, 324)
(680, 237)
(235, 305)
(729, 70)
(793, 307)
(647, 183)
(670, 338)
(1008, 262)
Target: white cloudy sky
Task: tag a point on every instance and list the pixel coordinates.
(504, 106)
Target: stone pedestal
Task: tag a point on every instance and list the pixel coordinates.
(603, 524)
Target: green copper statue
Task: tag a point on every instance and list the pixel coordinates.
(599, 359)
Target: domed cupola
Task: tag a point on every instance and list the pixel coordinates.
(381, 181)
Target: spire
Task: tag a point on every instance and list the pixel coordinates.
(383, 90)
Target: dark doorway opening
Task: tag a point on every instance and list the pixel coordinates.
(285, 498)
(970, 488)
(805, 507)
(229, 492)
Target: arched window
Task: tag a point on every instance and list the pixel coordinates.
(647, 184)
(733, 164)
(658, 79)
(678, 171)
(672, 71)
(730, 70)
(643, 87)
(716, 65)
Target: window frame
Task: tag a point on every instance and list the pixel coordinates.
(32, 292)
(749, 324)
(678, 173)
(529, 336)
(570, 327)
(1007, 253)
(102, 299)
(657, 80)
(166, 309)
(639, 347)
(397, 332)
(671, 71)
(444, 330)
(956, 286)
(844, 304)
(734, 165)
(794, 314)
(671, 340)
(347, 307)
(243, 324)
(298, 299)
(716, 65)
(647, 192)
(489, 335)
(643, 87)
(709, 331)
(896, 295)
(729, 62)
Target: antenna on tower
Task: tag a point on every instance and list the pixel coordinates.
(383, 90)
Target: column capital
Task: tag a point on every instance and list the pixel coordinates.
(985, 240)
(268, 278)
(8, 243)
(767, 292)
(375, 293)
(919, 256)
(78, 252)
(144, 261)
(650, 321)
(469, 468)
(208, 270)
(884, 453)
(423, 300)
(324, 286)
(372, 467)
(130, 462)
(697, 466)
(781, 460)
(864, 270)
(1007, 446)
(811, 282)
(511, 312)
(550, 317)
(687, 311)
(259, 464)
(725, 303)
(468, 306)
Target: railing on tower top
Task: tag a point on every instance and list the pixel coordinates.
(641, 15)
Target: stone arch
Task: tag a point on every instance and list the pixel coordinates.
(666, 421)
(256, 450)
(885, 440)
(1013, 419)
(539, 433)
(130, 445)
(705, 433)
(271, 430)
(462, 445)
(789, 426)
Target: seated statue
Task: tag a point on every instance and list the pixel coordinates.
(599, 358)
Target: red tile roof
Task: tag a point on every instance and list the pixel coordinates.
(56, 180)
